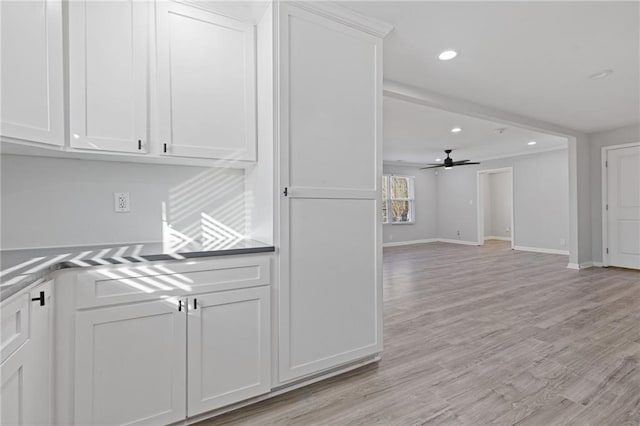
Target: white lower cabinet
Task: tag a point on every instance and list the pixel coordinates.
(131, 364)
(13, 393)
(25, 394)
(161, 361)
(229, 348)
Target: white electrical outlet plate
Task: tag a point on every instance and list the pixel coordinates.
(121, 202)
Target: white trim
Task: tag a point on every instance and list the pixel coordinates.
(598, 264)
(468, 243)
(491, 237)
(542, 250)
(408, 243)
(346, 16)
(479, 206)
(604, 154)
(430, 240)
(583, 265)
(417, 95)
(562, 147)
(603, 203)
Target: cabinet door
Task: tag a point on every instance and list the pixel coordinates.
(38, 379)
(13, 392)
(229, 348)
(108, 62)
(330, 157)
(206, 93)
(14, 317)
(25, 394)
(32, 102)
(131, 364)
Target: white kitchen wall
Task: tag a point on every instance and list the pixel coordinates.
(498, 208)
(620, 136)
(425, 226)
(50, 202)
(541, 188)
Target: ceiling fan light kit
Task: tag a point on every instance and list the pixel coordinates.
(448, 163)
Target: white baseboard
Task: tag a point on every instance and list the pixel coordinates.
(497, 238)
(578, 266)
(542, 250)
(408, 243)
(598, 264)
(468, 243)
(429, 240)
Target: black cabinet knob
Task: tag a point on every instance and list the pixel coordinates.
(41, 298)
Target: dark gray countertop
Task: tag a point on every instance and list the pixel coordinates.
(21, 268)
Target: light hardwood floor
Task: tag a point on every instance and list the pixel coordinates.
(485, 335)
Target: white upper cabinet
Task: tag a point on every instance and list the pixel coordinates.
(206, 83)
(32, 78)
(108, 67)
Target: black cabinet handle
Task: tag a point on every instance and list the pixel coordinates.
(41, 298)
(140, 144)
(195, 304)
(179, 305)
(165, 147)
(286, 191)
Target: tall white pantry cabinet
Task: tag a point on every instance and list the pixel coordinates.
(329, 146)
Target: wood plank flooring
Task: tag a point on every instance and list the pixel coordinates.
(485, 335)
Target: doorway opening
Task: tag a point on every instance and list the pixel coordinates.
(495, 205)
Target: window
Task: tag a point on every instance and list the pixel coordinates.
(397, 199)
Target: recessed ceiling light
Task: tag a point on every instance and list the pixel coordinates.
(456, 130)
(438, 159)
(447, 55)
(532, 143)
(601, 74)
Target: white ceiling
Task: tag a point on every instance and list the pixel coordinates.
(419, 134)
(529, 58)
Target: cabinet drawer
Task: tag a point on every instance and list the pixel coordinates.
(112, 285)
(15, 325)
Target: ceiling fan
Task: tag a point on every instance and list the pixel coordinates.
(448, 162)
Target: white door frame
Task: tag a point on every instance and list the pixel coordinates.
(605, 197)
(480, 213)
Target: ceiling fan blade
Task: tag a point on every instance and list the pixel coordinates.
(432, 167)
(464, 164)
(460, 162)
